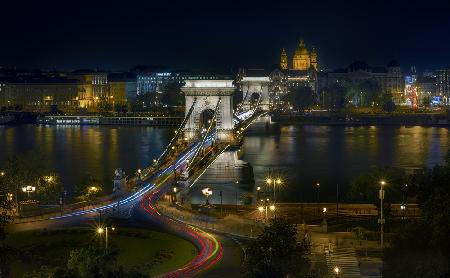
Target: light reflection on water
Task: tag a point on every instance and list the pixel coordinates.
(303, 155)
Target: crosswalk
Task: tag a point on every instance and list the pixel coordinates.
(346, 261)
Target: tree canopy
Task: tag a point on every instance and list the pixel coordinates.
(423, 248)
(276, 252)
(300, 97)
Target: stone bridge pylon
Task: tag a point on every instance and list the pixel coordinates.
(207, 96)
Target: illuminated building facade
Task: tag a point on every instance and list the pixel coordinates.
(152, 82)
(443, 85)
(426, 90)
(304, 68)
(302, 60)
(283, 60)
(389, 78)
(93, 87)
(39, 95)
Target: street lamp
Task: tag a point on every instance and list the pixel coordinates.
(2, 173)
(101, 230)
(336, 270)
(28, 189)
(262, 209)
(381, 220)
(403, 209)
(174, 195)
(207, 192)
(49, 179)
(274, 183)
(318, 190)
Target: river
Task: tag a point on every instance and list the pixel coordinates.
(301, 155)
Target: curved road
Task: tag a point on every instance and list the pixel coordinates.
(210, 250)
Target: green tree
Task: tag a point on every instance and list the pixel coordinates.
(300, 97)
(387, 104)
(49, 189)
(426, 101)
(423, 248)
(276, 252)
(371, 91)
(150, 101)
(335, 96)
(94, 262)
(5, 218)
(30, 169)
(89, 188)
(172, 95)
(104, 106)
(365, 187)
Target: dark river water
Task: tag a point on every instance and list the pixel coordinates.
(301, 155)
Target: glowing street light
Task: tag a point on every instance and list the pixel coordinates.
(207, 192)
(381, 220)
(28, 189)
(101, 230)
(337, 270)
(2, 173)
(274, 183)
(272, 207)
(318, 191)
(49, 179)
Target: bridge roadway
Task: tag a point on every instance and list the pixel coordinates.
(145, 200)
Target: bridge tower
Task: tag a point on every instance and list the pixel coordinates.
(254, 90)
(207, 94)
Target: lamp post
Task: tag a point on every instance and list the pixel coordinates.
(318, 191)
(337, 270)
(381, 220)
(28, 189)
(174, 190)
(264, 207)
(261, 210)
(274, 183)
(101, 230)
(403, 208)
(207, 192)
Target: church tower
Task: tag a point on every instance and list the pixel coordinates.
(314, 63)
(301, 60)
(283, 60)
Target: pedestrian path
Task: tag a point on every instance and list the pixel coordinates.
(345, 259)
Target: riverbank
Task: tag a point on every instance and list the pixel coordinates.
(357, 119)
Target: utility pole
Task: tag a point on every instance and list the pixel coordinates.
(61, 204)
(221, 203)
(106, 238)
(337, 201)
(381, 220)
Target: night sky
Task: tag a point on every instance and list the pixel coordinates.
(221, 35)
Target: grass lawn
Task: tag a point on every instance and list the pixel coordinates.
(153, 252)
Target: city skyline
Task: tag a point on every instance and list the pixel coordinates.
(200, 36)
